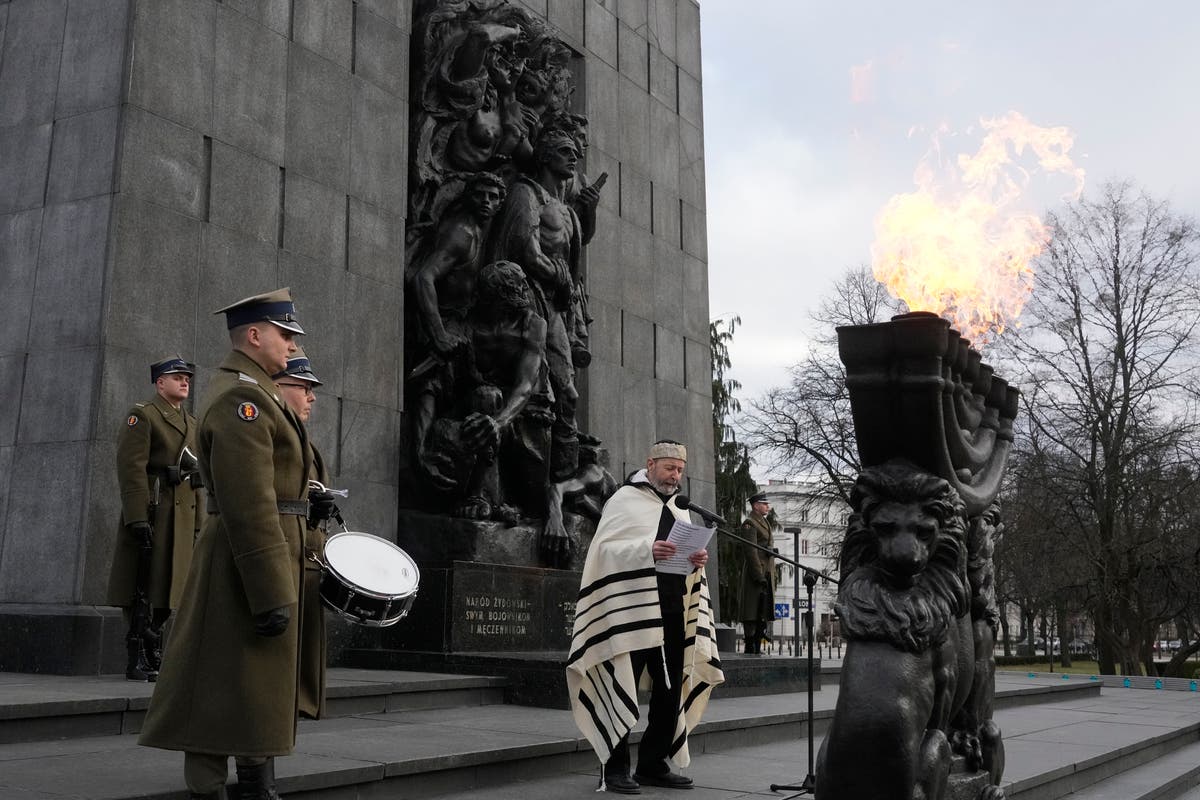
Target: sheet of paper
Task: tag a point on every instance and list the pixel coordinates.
(687, 538)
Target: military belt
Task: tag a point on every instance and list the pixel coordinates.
(171, 475)
(298, 508)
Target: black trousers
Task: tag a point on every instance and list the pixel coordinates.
(664, 703)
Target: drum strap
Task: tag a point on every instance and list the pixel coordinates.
(298, 508)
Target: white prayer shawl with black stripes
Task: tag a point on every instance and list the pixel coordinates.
(618, 613)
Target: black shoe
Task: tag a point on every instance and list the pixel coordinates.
(622, 784)
(219, 794)
(669, 780)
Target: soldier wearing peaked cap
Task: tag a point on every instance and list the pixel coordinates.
(758, 576)
(296, 384)
(230, 680)
(159, 519)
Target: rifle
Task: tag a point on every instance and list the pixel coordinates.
(140, 633)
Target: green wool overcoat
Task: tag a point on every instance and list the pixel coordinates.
(313, 655)
(758, 601)
(151, 439)
(223, 689)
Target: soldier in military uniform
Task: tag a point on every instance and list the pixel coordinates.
(758, 576)
(229, 684)
(159, 518)
(296, 384)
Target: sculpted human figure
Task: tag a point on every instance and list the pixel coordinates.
(542, 233)
(507, 347)
(909, 666)
(585, 491)
(583, 195)
(470, 118)
(442, 279)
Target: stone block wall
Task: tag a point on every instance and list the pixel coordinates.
(647, 265)
(161, 158)
(61, 70)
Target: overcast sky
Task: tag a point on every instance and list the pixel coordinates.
(801, 155)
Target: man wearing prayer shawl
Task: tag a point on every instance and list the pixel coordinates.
(631, 620)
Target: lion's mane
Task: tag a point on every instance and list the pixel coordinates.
(918, 617)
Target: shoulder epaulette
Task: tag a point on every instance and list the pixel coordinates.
(244, 377)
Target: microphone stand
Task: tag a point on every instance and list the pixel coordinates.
(809, 785)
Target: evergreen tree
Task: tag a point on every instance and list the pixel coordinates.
(734, 483)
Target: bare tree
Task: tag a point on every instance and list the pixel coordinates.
(1038, 568)
(805, 428)
(1106, 359)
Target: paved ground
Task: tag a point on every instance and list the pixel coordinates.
(1055, 733)
(1038, 738)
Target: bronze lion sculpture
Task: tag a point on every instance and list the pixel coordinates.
(905, 605)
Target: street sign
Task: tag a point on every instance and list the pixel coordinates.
(782, 610)
(803, 603)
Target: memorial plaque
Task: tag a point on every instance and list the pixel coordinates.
(496, 608)
(472, 607)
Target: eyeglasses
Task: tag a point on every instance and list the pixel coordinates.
(308, 391)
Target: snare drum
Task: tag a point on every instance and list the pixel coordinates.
(368, 580)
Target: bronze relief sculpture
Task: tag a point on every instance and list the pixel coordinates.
(500, 213)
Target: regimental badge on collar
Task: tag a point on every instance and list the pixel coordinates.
(133, 420)
(248, 411)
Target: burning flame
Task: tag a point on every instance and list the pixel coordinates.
(958, 246)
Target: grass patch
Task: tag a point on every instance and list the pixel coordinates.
(1077, 667)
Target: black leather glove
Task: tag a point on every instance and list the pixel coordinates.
(273, 622)
(321, 507)
(142, 533)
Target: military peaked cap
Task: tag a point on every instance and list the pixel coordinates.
(171, 365)
(275, 307)
(298, 367)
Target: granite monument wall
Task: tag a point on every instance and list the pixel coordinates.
(160, 158)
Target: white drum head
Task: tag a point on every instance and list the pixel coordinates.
(371, 563)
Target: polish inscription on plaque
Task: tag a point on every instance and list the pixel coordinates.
(494, 615)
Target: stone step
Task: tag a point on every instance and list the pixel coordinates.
(1165, 778)
(47, 707)
(538, 678)
(1126, 682)
(1109, 750)
(424, 753)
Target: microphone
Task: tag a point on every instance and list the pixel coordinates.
(685, 504)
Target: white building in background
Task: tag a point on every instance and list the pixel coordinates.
(810, 529)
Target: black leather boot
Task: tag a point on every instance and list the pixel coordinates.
(137, 668)
(257, 781)
(152, 647)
